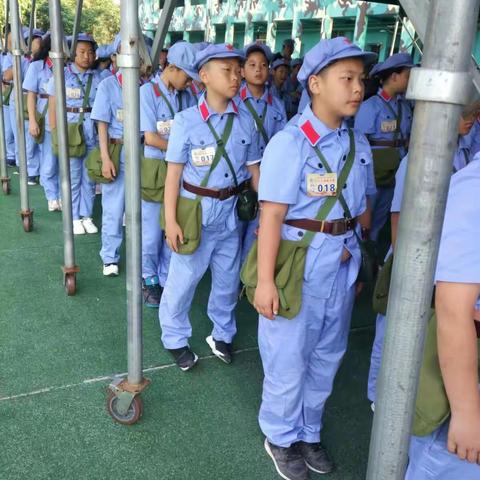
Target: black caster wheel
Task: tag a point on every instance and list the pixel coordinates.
(70, 283)
(134, 412)
(27, 223)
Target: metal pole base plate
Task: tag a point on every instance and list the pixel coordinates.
(5, 185)
(27, 219)
(124, 403)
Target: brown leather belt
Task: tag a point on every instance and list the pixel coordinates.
(221, 194)
(388, 143)
(79, 110)
(43, 95)
(335, 227)
(115, 141)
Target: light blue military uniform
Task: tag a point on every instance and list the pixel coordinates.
(32, 149)
(156, 117)
(461, 159)
(36, 80)
(83, 189)
(108, 108)
(9, 138)
(376, 118)
(458, 262)
(219, 248)
(281, 92)
(301, 356)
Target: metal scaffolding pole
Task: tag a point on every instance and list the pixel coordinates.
(76, 28)
(4, 178)
(440, 87)
(17, 53)
(123, 403)
(31, 26)
(163, 23)
(57, 56)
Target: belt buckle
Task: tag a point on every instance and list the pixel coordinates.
(338, 227)
(223, 194)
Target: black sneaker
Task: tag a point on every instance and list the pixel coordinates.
(32, 181)
(288, 461)
(184, 358)
(220, 349)
(316, 457)
(11, 162)
(152, 293)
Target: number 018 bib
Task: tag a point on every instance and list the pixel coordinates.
(321, 185)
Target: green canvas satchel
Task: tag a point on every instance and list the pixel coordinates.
(189, 210)
(153, 174)
(290, 261)
(93, 162)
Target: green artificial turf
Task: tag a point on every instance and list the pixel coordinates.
(198, 425)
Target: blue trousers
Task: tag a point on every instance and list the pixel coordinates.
(376, 357)
(431, 460)
(32, 148)
(381, 204)
(219, 250)
(155, 252)
(49, 173)
(300, 359)
(9, 138)
(83, 189)
(113, 208)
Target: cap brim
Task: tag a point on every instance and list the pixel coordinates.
(191, 73)
(367, 57)
(219, 56)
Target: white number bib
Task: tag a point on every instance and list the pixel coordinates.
(321, 185)
(203, 157)
(75, 93)
(388, 126)
(163, 128)
(119, 115)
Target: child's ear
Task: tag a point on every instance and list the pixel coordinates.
(314, 84)
(203, 74)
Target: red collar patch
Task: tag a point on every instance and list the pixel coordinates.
(270, 98)
(310, 133)
(243, 93)
(48, 62)
(385, 95)
(234, 106)
(120, 79)
(204, 112)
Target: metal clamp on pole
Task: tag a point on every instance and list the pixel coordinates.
(56, 54)
(124, 402)
(430, 85)
(25, 212)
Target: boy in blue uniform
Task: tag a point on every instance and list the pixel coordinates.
(35, 83)
(81, 84)
(159, 102)
(266, 110)
(301, 355)
(452, 451)
(107, 111)
(280, 70)
(191, 151)
(32, 149)
(386, 119)
(461, 159)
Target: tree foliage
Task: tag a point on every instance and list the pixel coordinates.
(101, 18)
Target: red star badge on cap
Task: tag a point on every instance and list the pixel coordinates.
(229, 46)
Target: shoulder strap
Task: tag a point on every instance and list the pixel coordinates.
(159, 93)
(86, 97)
(219, 151)
(329, 203)
(258, 121)
(221, 146)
